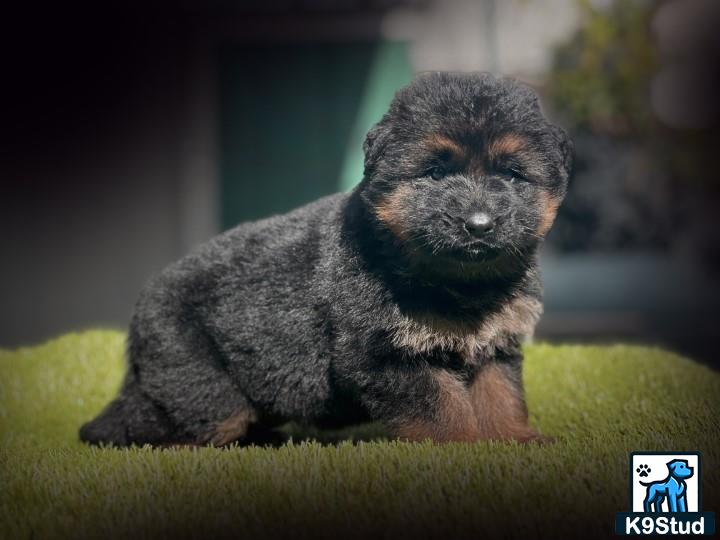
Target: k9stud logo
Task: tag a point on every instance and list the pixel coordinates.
(665, 496)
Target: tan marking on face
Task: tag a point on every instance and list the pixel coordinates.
(517, 317)
(499, 406)
(454, 419)
(549, 208)
(391, 210)
(438, 143)
(505, 145)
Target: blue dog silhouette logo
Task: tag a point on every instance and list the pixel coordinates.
(672, 489)
(665, 496)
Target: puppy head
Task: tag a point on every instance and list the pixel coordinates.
(464, 168)
(679, 468)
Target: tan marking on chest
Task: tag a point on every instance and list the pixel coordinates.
(517, 317)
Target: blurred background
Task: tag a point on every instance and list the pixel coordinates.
(130, 135)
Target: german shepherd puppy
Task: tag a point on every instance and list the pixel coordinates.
(404, 301)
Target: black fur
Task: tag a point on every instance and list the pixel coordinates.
(296, 317)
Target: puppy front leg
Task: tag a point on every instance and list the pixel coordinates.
(435, 405)
(498, 401)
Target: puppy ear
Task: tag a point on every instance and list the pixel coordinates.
(374, 145)
(567, 149)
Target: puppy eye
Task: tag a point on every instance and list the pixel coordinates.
(512, 175)
(438, 173)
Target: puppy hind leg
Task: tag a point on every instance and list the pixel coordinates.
(233, 428)
(179, 368)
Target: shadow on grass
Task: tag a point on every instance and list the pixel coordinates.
(264, 437)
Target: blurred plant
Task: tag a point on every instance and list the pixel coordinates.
(621, 196)
(641, 183)
(600, 78)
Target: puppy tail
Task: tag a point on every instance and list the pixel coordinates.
(107, 428)
(130, 419)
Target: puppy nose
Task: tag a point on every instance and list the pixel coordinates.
(479, 224)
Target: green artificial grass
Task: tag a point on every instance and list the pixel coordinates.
(600, 403)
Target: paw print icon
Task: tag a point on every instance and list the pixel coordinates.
(643, 469)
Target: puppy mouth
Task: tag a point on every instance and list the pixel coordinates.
(474, 251)
(478, 252)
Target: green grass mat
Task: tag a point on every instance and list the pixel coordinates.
(600, 402)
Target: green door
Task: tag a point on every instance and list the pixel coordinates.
(292, 119)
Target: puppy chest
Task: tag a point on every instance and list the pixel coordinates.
(427, 335)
